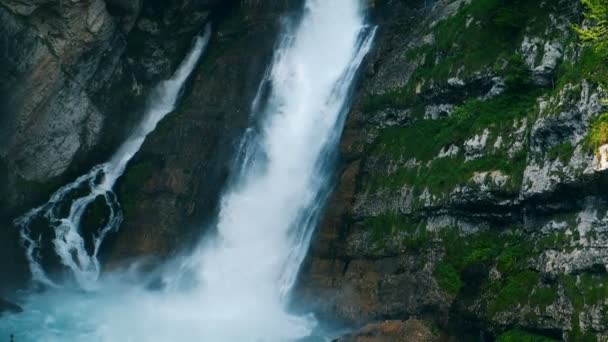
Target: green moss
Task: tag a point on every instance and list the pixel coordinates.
(463, 251)
(544, 296)
(424, 139)
(585, 289)
(479, 251)
(448, 278)
(483, 35)
(517, 335)
(513, 256)
(563, 152)
(515, 292)
(496, 28)
(558, 240)
(414, 236)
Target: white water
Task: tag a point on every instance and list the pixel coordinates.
(235, 286)
(69, 244)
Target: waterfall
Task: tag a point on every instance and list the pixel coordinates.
(235, 286)
(69, 244)
(271, 207)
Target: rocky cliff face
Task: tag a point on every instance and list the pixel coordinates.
(471, 193)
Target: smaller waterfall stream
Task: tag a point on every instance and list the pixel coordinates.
(68, 243)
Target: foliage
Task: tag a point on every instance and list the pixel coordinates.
(563, 152)
(517, 335)
(448, 278)
(424, 140)
(598, 133)
(413, 235)
(597, 33)
(515, 292)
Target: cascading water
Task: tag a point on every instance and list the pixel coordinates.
(269, 212)
(235, 286)
(68, 243)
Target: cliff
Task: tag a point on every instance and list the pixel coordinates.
(470, 193)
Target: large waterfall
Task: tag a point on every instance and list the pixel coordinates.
(235, 285)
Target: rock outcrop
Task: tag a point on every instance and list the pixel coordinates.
(470, 195)
(393, 331)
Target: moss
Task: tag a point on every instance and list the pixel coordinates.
(590, 65)
(481, 36)
(448, 278)
(563, 152)
(516, 72)
(463, 251)
(515, 292)
(585, 289)
(514, 256)
(496, 28)
(424, 139)
(414, 236)
(468, 255)
(544, 296)
(517, 335)
(558, 240)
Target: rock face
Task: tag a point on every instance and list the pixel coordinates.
(75, 75)
(470, 194)
(392, 331)
(8, 307)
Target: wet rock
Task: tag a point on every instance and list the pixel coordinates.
(392, 331)
(8, 307)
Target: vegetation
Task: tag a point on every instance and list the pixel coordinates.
(598, 133)
(563, 152)
(490, 268)
(482, 36)
(426, 138)
(448, 278)
(517, 335)
(597, 33)
(595, 59)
